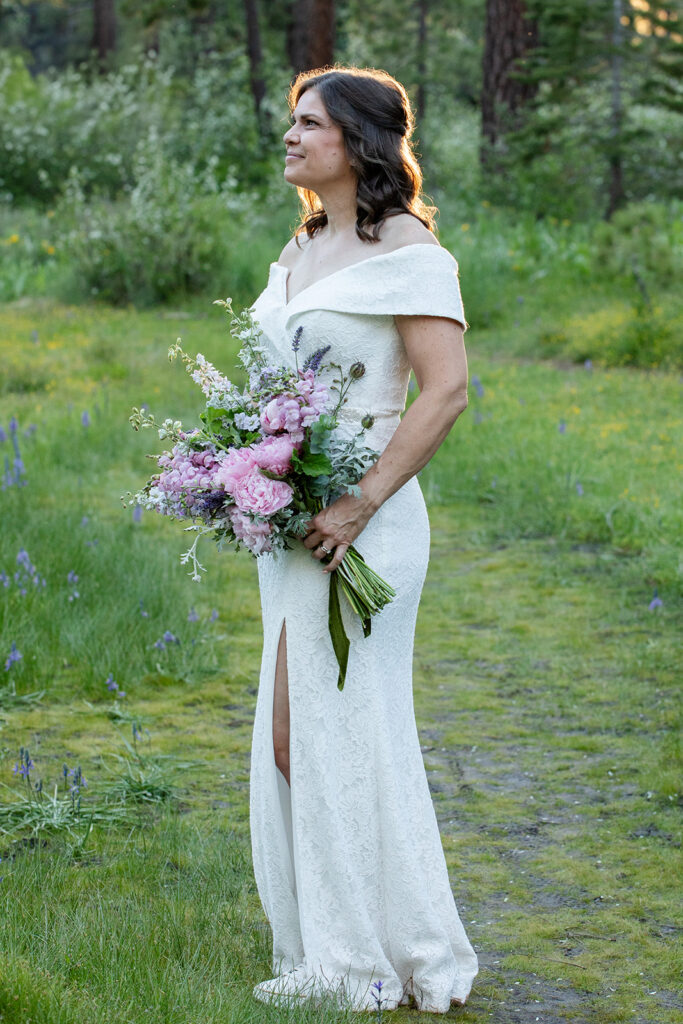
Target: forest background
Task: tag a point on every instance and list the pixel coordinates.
(141, 162)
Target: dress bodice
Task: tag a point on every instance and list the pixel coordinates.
(352, 310)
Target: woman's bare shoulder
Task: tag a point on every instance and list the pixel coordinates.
(405, 229)
(292, 251)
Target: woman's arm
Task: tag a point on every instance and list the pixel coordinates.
(436, 350)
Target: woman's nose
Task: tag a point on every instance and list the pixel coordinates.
(290, 134)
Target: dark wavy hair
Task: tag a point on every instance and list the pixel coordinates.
(373, 111)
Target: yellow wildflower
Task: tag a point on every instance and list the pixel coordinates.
(465, 227)
(13, 239)
(485, 202)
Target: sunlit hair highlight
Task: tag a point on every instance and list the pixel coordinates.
(373, 111)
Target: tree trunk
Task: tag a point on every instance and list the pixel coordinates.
(616, 179)
(104, 30)
(509, 36)
(421, 97)
(312, 34)
(255, 55)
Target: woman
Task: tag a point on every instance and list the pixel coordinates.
(346, 848)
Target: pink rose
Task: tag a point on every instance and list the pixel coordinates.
(256, 536)
(236, 464)
(274, 454)
(256, 493)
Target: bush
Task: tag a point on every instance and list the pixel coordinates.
(645, 237)
(171, 237)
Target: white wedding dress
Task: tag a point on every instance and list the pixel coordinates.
(349, 863)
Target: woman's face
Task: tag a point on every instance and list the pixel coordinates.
(316, 155)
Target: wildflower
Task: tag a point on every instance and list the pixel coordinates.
(579, 489)
(13, 425)
(111, 683)
(477, 416)
(85, 520)
(14, 656)
(30, 430)
(192, 616)
(562, 426)
(85, 418)
(588, 364)
(13, 239)
(160, 645)
(214, 615)
(72, 577)
(3, 435)
(143, 613)
(169, 638)
(465, 227)
(477, 385)
(656, 601)
(137, 513)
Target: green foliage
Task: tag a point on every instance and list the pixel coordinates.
(644, 237)
(171, 237)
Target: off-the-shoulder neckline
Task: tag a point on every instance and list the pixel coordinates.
(349, 266)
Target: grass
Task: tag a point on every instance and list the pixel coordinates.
(546, 691)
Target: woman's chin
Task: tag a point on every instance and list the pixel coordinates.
(290, 175)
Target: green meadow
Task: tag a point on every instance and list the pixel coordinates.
(547, 680)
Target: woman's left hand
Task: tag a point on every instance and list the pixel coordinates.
(336, 528)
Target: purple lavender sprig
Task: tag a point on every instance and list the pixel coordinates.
(315, 359)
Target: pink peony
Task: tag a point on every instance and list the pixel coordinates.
(256, 493)
(256, 536)
(236, 465)
(274, 454)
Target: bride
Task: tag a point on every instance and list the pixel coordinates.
(346, 848)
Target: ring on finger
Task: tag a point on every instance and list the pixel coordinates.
(328, 551)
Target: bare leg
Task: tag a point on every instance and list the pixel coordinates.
(281, 707)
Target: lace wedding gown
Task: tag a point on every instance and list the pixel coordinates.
(349, 863)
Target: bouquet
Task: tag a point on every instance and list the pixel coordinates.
(264, 461)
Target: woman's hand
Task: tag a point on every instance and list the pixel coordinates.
(336, 528)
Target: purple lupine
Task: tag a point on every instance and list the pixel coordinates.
(85, 520)
(214, 615)
(579, 489)
(656, 601)
(478, 386)
(192, 616)
(137, 513)
(3, 435)
(85, 418)
(588, 364)
(111, 683)
(13, 425)
(13, 656)
(169, 638)
(562, 427)
(72, 577)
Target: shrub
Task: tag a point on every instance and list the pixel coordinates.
(172, 236)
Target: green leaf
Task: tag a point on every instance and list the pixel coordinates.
(320, 433)
(316, 464)
(340, 641)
